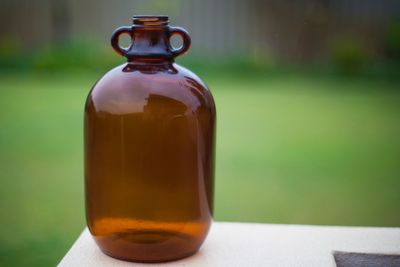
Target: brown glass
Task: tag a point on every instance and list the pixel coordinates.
(149, 150)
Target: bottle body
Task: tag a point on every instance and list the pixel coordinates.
(149, 162)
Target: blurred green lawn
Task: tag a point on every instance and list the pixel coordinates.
(290, 149)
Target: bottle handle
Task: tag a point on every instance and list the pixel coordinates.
(115, 39)
(186, 41)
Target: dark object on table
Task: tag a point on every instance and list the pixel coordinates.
(351, 259)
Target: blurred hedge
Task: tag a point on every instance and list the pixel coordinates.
(347, 57)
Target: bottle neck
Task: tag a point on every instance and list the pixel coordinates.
(150, 37)
(150, 44)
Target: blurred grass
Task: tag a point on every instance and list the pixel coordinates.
(291, 149)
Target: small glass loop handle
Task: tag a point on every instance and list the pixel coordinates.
(115, 39)
(186, 41)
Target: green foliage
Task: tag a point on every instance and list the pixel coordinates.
(392, 40)
(348, 56)
(12, 55)
(74, 56)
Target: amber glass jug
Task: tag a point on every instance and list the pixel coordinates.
(149, 150)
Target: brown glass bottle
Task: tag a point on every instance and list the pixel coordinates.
(149, 150)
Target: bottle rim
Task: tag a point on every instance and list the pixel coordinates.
(150, 20)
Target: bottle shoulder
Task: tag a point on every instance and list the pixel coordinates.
(127, 89)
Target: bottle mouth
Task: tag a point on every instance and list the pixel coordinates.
(150, 20)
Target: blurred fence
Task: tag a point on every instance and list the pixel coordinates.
(289, 30)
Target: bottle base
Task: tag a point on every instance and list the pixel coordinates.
(147, 246)
(146, 260)
(146, 241)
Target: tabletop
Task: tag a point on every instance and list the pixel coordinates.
(251, 244)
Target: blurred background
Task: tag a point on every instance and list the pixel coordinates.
(308, 102)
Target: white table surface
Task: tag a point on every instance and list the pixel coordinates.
(250, 244)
